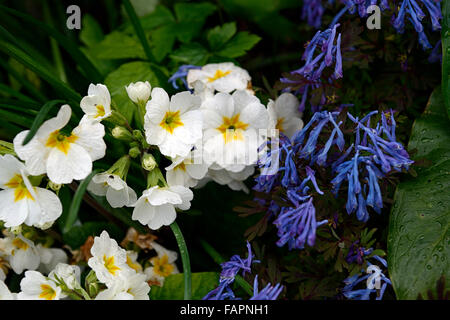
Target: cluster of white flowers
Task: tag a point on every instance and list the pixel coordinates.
(211, 132)
(115, 273)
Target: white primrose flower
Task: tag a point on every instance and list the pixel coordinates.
(21, 253)
(50, 257)
(5, 294)
(186, 171)
(118, 193)
(139, 92)
(234, 127)
(156, 206)
(163, 265)
(127, 287)
(174, 124)
(63, 157)
(108, 260)
(97, 104)
(221, 77)
(284, 114)
(69, 274)
(34, 286)
(21, 202)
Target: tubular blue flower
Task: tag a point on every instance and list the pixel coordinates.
(181, 74)
(269, 292)
(320, 52)
(362, 5)
(229, 271)
(416, 15)
(297, 226)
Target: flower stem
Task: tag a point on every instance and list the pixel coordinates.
(185, 260)
(218, 259)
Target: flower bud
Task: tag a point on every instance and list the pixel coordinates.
(54, 186)
(139, 91)
(134, 152)
(148, 162)
(121, 133)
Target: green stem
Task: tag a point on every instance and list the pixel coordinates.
(218, 259)
(138, 28)
(185, 260)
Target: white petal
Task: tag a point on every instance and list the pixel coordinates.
(162, 196)
(34, 153)
(63, 168)
(164, 216)
(13, 213)
(9, 167)
(90, 137)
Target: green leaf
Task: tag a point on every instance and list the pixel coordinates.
(191, 53)
(77, 235)
(91, 33)
(161, 16)
(191, 17)
(418, 241)
(162, 40)
(40, 118)
(239, 45)
(202, 283)
(123, 76)
(220, 35)
(76, 202)
(118, 45)
(446, 55)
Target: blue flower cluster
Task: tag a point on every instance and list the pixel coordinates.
(374, 153)
(416, 15)
(230, 270)
(312, 12)
(322, 51)
(376, 282)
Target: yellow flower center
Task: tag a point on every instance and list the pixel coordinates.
(219, 74)
(132, 265)
(232, 128)
(161, 266)
(47, 292)
(100, 111)
(20, 189)
(181, 166)
(20, 244)
(171, 121)
(60, 141)
(279, 124)
(109, 264)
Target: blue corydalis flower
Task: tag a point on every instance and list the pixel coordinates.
(361, 6)
(416, 15)
(375, 281)
(182, 74)
(312, 12)
(269, 292)
(321, 52)
(297, 225)
(229, 271)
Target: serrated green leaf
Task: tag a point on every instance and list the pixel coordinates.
(202, 283)
(191, 53)
(418, 241)
(123, 76)
(239, 45)
(118, 45)
(161, 16)
(162, 40)
(220, 35)
(191, 17)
